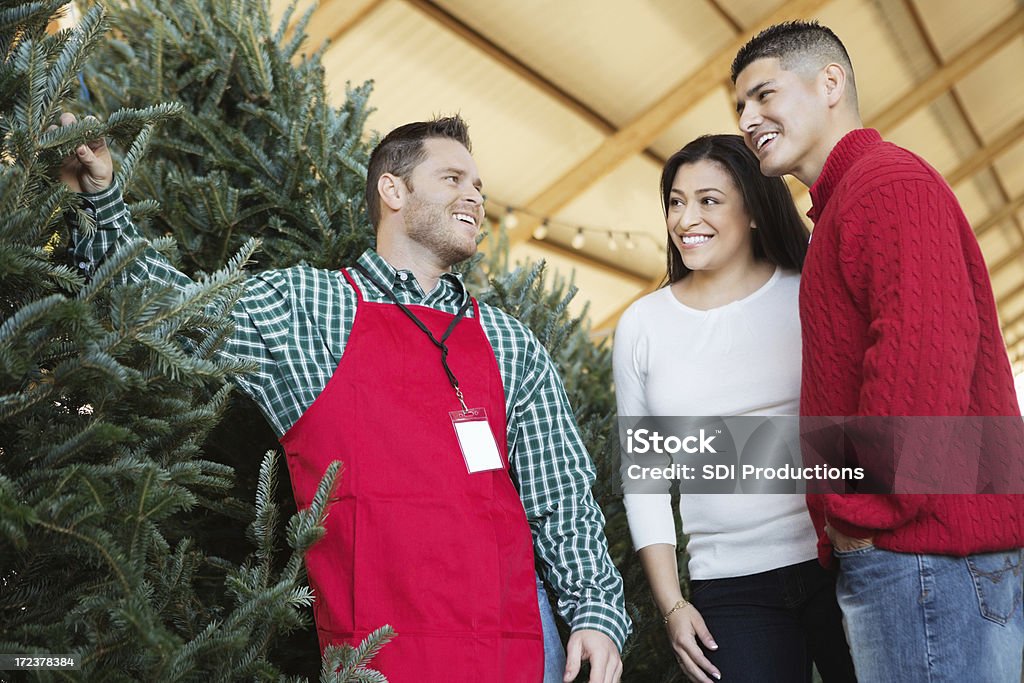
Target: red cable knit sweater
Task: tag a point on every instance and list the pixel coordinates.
(898, 318)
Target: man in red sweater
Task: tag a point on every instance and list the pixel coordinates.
(898, 319)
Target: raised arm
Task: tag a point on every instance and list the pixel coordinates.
(89, 171)
(269, 319)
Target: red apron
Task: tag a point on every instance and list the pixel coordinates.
(414, 540)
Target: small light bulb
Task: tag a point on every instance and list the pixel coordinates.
(579, 240)
(511, 220)
(612, 244)
(630, 244)
(541, 231)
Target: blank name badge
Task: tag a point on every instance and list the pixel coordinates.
(476, 440)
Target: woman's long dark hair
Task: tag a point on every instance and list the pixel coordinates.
(780, 238)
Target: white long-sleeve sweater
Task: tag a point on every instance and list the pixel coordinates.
(739, 359)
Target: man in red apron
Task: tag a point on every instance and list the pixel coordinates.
(455, 434)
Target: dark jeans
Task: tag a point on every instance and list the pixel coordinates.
(770, 626)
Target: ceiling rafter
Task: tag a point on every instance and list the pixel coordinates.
(1007, 210)
(946, 77)
(1005, 303)
(449, 21)
(645, 128)
(984, 156)
(915, 17)
(1010, 324)
(1013, 328)
(725, 16)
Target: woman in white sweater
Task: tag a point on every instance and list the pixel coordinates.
(723, 338)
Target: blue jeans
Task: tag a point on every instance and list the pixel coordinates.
(933, 618)
(770, 626)
(554, 653)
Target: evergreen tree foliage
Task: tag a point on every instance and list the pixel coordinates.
(107, 392)
(258, 150)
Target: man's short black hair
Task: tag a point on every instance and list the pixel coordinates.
(401, 151)
(793, 42)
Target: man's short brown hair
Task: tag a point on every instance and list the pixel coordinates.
(401, 151)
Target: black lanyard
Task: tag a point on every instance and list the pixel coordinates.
(419, 323)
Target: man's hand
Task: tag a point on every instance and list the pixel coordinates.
(90, 168)
(844, 543)
(685, 627)
(599, 650)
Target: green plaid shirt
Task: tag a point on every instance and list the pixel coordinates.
(294, 323)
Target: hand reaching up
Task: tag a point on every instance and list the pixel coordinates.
(90, 168)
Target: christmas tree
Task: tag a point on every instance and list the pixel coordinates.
(108, 392)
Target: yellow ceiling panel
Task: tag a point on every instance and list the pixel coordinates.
(625, 199)
(993, 94)
(618, 57)
(715, 113)
(1010, 166)
(955, 24)
(749, 13)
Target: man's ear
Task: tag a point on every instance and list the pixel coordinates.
(392, 191)
(834, 76)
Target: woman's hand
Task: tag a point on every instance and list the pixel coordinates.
(685, 627)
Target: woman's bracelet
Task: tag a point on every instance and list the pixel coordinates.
(679, 605)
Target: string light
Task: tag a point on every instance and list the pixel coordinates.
(578, 240)
(511, 220)
(541, 231)
(615, 238)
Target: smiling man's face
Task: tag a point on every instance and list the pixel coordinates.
(444, 210)
(784, 119)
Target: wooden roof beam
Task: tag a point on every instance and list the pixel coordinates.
(945, 78)
(455, 25)
(1010, 324)
(1008, 210)
(915, 17)
(449, 21)
(983, 157)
